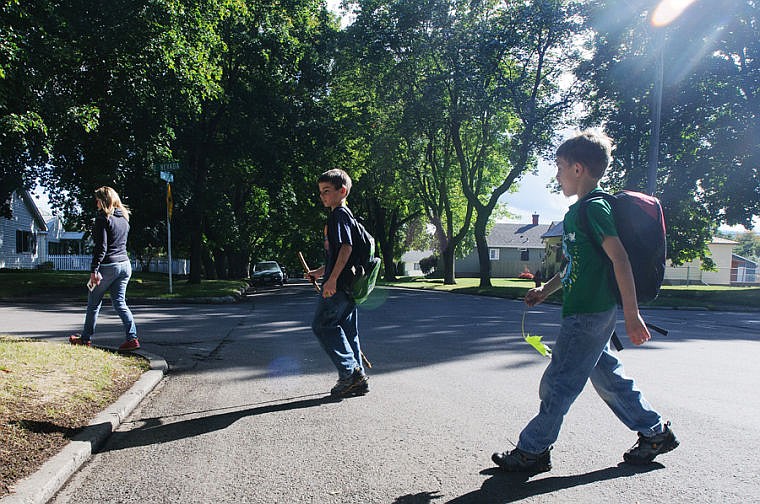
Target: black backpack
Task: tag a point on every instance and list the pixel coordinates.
(640, 225)
(364, 265)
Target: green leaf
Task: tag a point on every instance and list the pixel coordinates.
(535, 342)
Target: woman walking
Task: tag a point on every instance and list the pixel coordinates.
(110, 269)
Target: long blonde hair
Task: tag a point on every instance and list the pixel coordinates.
(109, 201)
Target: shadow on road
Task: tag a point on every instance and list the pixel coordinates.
(511, 487)
(156, 430)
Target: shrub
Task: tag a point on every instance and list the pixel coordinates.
(428, 264)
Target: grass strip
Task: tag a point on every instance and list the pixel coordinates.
(48, 392)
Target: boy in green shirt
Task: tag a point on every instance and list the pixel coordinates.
(582, 350)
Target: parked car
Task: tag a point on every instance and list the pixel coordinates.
(267, 273)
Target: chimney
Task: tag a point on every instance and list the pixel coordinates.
(535, 219)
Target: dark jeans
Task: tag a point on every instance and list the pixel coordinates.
(336, 326)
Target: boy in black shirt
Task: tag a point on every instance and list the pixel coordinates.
(335, 322)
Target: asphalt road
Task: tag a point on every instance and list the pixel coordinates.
(243, 416)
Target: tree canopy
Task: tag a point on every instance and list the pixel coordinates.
(436, 109)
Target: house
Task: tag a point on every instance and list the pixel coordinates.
(410, 262)
(30, 237)
(743, 270)
(511, 247)
(60, 241)
(552, 249)
(23, 237)
(721, 252)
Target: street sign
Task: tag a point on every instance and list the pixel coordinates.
(171, 166)
(169, 177)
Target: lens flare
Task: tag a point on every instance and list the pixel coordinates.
(668, 10)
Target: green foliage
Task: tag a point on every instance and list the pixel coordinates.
(428, 264)
(436, 109)
(710, 144)
(749, 245)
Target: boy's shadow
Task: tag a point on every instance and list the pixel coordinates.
(510, 487)
(157, 430)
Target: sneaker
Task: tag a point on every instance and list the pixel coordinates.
(76, 339)
(355, 384)
(520, 461)
(647, 448)
(361, 389)
(129, 345)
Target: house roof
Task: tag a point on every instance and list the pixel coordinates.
(507, 235)
(722, 241)
(416, 255)
(555, 230)
(738, 258)
(32, 206)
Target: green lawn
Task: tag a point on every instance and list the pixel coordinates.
(696, 296)
(31, 284)
(70, 285)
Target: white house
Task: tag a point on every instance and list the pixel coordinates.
(23, 237)
(29, 237)
(410, 262)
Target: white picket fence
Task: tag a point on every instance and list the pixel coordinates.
(82, 263)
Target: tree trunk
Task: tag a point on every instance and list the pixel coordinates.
(388, 264)
(447, 255)
(484, 259)
(196, 253)
(197, 212)
(208, 264)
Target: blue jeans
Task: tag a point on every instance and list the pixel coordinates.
(582, 351)
(336, 326)
(115, 279)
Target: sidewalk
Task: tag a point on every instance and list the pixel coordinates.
(41, 486)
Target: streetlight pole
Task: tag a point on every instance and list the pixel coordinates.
(665, 13)
(656, 114)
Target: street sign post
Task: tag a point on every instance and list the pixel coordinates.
(166, 171)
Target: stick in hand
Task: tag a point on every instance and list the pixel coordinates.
(306, 270)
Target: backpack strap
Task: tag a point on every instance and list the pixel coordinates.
(353, 260)
(583, 216)
(584, 225)
(615, 340)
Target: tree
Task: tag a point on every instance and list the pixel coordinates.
(402, 41)
(749, 245)
(505, 98)
(370, 130)
(709, 170)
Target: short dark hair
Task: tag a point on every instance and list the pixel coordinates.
(337, 177)
(591, 149)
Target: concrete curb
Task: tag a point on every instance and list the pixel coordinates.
(41, 486)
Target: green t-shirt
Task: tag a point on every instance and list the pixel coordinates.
(586, 286)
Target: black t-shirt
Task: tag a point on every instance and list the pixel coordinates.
(339, 225)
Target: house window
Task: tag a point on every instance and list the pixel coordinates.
(26, 241)
(493, 254)
(525, 255)
(416, 267)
